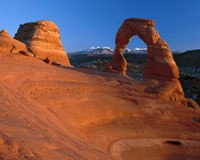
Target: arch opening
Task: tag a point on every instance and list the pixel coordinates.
(160, 63)
(136, 58)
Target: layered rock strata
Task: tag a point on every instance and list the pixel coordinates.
(160, 63)
(43, 39)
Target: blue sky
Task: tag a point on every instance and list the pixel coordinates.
(86, 23)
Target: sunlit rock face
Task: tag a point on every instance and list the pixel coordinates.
(160, 63)
(43, 39)
(10, 45)
(56, 113)
(59, 113)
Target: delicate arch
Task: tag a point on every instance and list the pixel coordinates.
(160, 62)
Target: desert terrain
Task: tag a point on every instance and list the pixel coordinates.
(51, 110)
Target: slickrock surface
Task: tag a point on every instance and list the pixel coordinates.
(59, 113)
(43, 39)
(8, 44)
(160, 63)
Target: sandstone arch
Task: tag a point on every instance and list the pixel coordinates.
(160, 63)
(161, 70)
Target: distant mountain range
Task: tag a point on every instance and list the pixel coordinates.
(109, 50)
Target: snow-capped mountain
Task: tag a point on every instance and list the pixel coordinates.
(95, 50)
(140, 50)
(109, 50)
(100, 50)
(135, 51)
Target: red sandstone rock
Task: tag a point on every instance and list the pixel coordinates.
(4, 33)
(160, 63)
(10, 45)
(54, 113)
(43, 39)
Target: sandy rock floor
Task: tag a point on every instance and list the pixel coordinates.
(58, 113)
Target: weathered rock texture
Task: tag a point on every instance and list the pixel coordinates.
(10, 45)
(43, 39)
(160, 63)
(65, 114)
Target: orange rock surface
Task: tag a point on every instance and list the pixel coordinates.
(160, 63)
(58, 113)
(43, 39)
(8, 44)
(52, 112)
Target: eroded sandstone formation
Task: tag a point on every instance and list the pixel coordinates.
(160, 63)
(43, 39)
(10, 45)
(51, 114)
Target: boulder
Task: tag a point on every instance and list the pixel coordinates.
(10, 45)
(43, 40)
